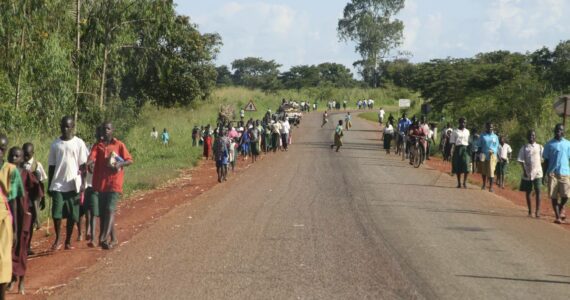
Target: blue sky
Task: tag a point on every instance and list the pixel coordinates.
(295, 32)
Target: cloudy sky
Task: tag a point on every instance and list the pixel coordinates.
(295, 32)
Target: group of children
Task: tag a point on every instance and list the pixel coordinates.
(226, 143)
(80, 182)
(22, 191)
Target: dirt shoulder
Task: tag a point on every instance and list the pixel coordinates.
(50, 271)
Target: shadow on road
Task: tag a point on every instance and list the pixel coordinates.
(472, 212)
(516, 279)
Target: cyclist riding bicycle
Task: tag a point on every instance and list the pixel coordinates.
(417, 132)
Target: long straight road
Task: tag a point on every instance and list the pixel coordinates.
(311, 223)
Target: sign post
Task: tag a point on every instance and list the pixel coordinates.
(404, 103)
(250, 106)
(562, 108)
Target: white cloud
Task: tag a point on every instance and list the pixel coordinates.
(231, 8)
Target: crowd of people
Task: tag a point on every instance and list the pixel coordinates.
(83, 182)
(489, 154)
(226, 143)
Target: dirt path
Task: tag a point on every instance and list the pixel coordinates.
(50, 271)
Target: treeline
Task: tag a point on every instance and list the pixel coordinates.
(254, 72)
(98, 59)
(514, 90)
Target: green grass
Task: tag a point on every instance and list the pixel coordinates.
(155, 164)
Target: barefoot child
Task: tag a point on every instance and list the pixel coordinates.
(503, 161)
(66, 159)
(530, 158)
(11, 189)
(37, 204)
(23, 217)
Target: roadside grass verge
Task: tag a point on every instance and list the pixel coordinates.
(155, 164)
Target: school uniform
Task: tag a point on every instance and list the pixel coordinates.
(530, 155)
(557, 152)
(461, 159)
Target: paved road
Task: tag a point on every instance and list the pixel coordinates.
(314, 224)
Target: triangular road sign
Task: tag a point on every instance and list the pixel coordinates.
(250, 106)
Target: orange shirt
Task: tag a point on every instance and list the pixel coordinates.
(105, 178)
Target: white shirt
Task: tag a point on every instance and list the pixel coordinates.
(381, 113)
(504, 151)
(67, 157)
(460, 137)
(154, 134)
(285, 127)
(389, 129)
(530, 156)
(40, 172)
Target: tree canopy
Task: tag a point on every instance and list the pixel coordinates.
(370, 24)
(102, 58)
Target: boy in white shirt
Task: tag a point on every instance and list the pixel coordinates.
(503, 161)
(67, 156)
(530, 158)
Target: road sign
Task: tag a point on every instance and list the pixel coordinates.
(560, 105)
(250, 106)
(404, 103)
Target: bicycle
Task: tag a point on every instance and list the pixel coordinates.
(417, 151)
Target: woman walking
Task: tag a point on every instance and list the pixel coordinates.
(338, 134)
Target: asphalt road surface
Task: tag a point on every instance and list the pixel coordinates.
(311, 223)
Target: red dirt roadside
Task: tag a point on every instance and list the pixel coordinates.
(509, 192)
(50, 271)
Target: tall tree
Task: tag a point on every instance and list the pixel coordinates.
(254, 72)
(370, 24)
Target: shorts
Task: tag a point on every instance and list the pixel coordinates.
(502, 167)
(91, 201)
(529, 185)
(65, 205)
(558, 185)
(108, 201)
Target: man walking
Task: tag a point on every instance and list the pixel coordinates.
(556, 167)
(67, 157)
(107, 161)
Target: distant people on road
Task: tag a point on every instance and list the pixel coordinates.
(503, 158)
(473, 141)
(530, 158)
(348, 121)
(459, 141)
(388, 136)
(381, 114)
(325, 119)
(338, 134)
(556, 166)
(488, 147)
(207, 137)
(445, 145)
(221, 154)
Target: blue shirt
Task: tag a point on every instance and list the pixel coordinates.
(488, 141)
(403, 125)
(558, 154)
